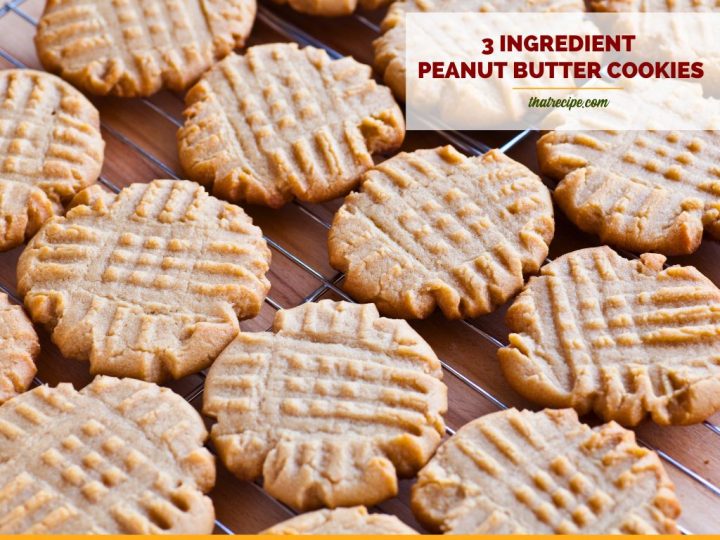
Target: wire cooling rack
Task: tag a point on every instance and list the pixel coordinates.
(19, 17)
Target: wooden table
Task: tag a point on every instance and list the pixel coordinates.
(140, 138)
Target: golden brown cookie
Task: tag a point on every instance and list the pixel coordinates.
(524, 472)
(332, 8)
(435, 228)
(129, 48)
(18, 348)
(120, 456)
(638, 190)
(149, 285)
(329, 407)
(354, 520)
(623, 338)
(51, 149)
(282, 122)
(654, 5)
(390, 46)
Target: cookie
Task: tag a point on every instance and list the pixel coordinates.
(149, 285)
(128, 48)
(52, 148)
(282, 122)
(390, 46)
(354, 520)
(637, 190)
(329, 407)
(332, 8)
(654, 5)
(524, 472)
(623, 338)
(18, 348)
(118, 457)
(435, 228)
(670, 39)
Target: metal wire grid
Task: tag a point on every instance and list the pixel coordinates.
(466, 143)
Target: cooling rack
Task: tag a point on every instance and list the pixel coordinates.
(140, 146)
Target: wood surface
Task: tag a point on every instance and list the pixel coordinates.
(140, 138)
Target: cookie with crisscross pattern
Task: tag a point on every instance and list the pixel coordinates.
(524, 472)
(624, 338)
(136, 47)
(282, 122)
(638, 190)
(51, 148)
(329, 407)
(435, 228)
(148, 283)
(119, 456)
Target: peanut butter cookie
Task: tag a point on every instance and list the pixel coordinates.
(282, 122)
(354, 520)
(637, 190)
(52, 148)
(328, 408)
(524, 472)
(435, 228)
(147, 284)
(332, 8)
(129, 48)
(18, 348)
(118, 457)
(623, 338)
